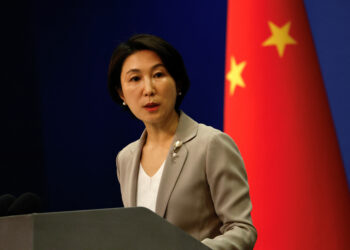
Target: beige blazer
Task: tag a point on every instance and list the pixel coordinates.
(204, 188)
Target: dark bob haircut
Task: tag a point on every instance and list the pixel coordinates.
(170, 57)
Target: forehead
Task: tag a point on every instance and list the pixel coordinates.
(141, 60)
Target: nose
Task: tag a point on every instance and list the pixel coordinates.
(149, 89)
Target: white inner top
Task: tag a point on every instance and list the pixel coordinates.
(147, 188)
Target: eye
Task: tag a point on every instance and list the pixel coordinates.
(134, 79)
(158, 75)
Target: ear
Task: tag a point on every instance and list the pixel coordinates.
(120, 93)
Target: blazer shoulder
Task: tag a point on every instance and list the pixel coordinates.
(127, 151)
(210, 132)
(215, 136)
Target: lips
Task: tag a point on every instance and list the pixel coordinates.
(151, 106)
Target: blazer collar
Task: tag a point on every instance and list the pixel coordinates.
(186, 130)
(135, 156)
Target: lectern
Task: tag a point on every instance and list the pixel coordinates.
(102, 229)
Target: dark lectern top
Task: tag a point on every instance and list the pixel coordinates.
(102, 229)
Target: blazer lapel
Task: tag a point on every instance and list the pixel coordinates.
(186, 130)
(134, 170)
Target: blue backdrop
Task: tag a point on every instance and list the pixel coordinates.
(61, 129)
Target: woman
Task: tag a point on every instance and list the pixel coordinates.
(189, 173)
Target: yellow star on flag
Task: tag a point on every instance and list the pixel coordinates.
(235, 75)
(279, 37)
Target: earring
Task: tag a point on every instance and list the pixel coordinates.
(180, 93)
(124, 104)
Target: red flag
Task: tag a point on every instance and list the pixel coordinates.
(276, 110)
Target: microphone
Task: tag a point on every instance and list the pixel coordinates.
(27, 203)
(5, 202)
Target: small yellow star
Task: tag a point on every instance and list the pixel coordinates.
(235, 75)
(279, 37)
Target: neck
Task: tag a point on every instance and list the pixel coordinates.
(162, 133)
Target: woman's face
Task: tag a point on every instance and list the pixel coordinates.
(147, 87)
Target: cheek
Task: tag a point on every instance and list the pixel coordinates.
(169, 92)
(174, 92)
(130, 93)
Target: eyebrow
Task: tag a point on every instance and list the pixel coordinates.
(153, 67)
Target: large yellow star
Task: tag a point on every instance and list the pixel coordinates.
(235, 75)
(279, 37)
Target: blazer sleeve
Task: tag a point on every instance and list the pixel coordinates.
(117, 166)
(229, 189)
